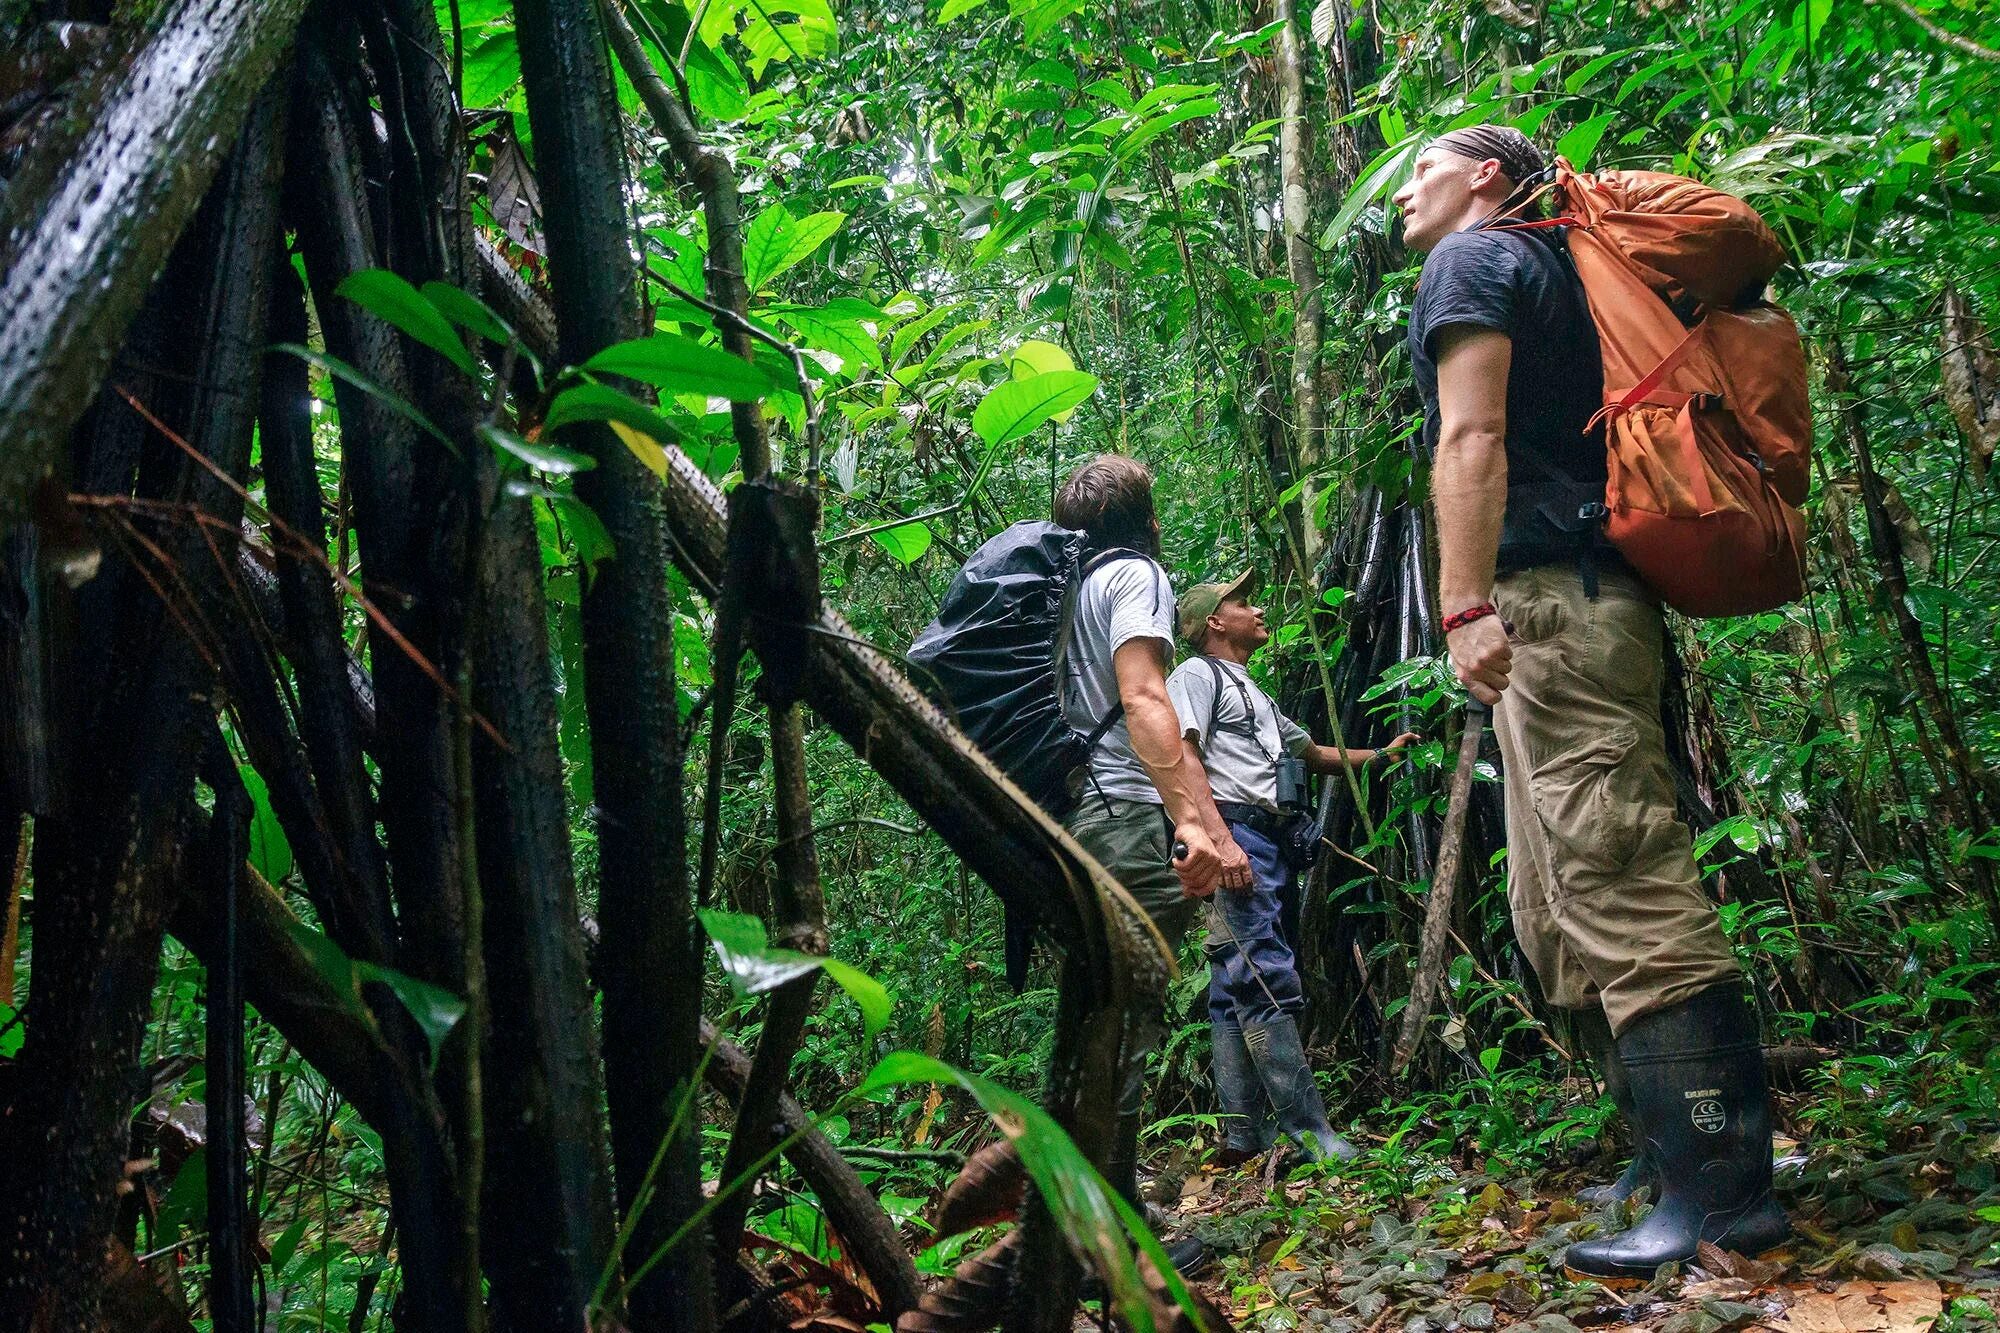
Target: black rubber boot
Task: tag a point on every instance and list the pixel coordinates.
(1639, 1172)
(1280, 1058)
(1240, 1092)
(1188, 1255)
(1697, 1076)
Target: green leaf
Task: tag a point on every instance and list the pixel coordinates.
(868, 994)
(390, 297)
(1381, 176)
(601, 402)
(186, 1200)
(468, 312)
(749, 960)
(679, 364)
(808, 234)
(1094, 1220)
(845, 338)
(270, 852)
(1035, 357)
(957, 8)
(907, 337)
(435, 1009)
(906, 541)
(492, 68)
(12, 1031)
(287, 1245)
(1013, 409)
(1581, 142)
(587, 532)
(545, 457)
(753, 965)
(395, 402)
(1039, 16)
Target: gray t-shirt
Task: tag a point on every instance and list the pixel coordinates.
(1250, 734)
(1119, 601)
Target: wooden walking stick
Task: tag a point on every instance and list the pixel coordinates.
(1444, 886)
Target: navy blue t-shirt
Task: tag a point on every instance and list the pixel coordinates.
(1520, 283)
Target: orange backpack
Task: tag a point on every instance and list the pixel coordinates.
(1706, 424)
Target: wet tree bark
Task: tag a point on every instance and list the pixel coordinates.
(648, 964)
(109, 864)
(222, 865)
(327, 204)
(152, 140)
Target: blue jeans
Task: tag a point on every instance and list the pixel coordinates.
(1252, 976)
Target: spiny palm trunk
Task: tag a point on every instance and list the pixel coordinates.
(108, 866)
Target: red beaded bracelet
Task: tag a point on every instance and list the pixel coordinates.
(1459, 619)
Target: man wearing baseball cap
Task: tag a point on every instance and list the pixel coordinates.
(1254, 995)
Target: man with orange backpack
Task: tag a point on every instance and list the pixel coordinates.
(1547, 622)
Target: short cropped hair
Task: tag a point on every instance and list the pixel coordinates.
(1111, 498)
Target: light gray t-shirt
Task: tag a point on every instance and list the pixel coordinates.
(1121, 600)
(1250, 734)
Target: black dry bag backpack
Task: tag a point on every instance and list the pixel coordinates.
(993, 659)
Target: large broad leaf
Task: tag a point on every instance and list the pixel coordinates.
(601, 402)
(435, 1009)
(775, 241)
(1381, 176)
(1094, 1220)
(1582, 141)
(468, 312)
(1035, 357)
(846, 338)
(681, 365)
(1039, 16)
(754, 965)
(492, 68)
(906, 541)
(1013, 409)
(535, 453)
(270, 852)
(389, 296)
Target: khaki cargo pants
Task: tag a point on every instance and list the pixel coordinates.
(1607, 903)
(1131, 840)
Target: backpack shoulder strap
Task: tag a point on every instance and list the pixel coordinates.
(1090, 564)
(1215, 698)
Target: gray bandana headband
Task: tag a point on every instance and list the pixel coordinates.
(1519, 159)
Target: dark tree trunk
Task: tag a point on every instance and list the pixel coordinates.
(400, 493)
(229, 1229)
(327, 722)
(108, 865)
(123, 190)
(649, 962)
(546, 1217)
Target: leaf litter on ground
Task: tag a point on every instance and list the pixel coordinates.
(1886, 1243)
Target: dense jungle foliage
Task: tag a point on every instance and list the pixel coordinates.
(972, 244)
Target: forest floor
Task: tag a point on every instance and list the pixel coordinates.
(1890, 1239)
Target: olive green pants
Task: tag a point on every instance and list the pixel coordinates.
(1131, 840)
(1608, 905)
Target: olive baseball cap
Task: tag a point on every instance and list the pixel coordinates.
(1198, 603)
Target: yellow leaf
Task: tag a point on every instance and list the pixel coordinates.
(644, 448)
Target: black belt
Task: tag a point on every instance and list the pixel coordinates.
(1253, 817)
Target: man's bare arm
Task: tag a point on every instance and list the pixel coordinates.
(1469, 485)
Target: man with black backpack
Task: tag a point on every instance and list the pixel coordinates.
(1144, 788)
(1545, 622)
(1256, 759)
